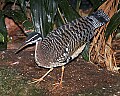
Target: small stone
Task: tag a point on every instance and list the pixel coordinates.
(3, 52)
(19, 57)
(103, 88)
(118, 92)
(31, 54)
(15, 63)
(110, 86)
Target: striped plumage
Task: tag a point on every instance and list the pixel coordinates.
(66, 42)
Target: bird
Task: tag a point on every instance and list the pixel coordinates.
(65, 43)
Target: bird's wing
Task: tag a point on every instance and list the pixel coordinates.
(68, 54)
(64, 56)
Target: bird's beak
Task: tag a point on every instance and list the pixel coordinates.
(31, 39)
(21, 47)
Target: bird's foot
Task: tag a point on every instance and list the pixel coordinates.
(41, 79)
(61, 80)
(36, 80)
(57, 85)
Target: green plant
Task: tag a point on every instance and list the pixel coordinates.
(49, 14)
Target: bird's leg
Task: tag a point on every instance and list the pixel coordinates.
(40, 79)
(60, 84)
(62, 76)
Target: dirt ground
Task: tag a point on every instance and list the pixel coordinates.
(81, 78)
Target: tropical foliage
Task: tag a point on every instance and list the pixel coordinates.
(46, 15)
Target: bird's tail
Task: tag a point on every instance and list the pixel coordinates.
(99, 18)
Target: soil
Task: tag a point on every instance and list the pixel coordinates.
(81, 78)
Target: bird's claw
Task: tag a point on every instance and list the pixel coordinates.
(57, 85)
(36, 80)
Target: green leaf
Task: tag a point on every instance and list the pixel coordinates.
(58, 20)
(1, 38)
(113, 24)
(17, 15)
(20, 18)
(43, 13)
(28, 27)
(97, 3)
(3, 32)
(68, 12)
(75, 4)
(85, 52)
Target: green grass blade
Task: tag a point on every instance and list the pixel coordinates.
(114, 22)
(3, 31)
(85, 52)
(1, 38)
(68, 11)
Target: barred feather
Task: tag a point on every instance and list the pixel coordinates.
(67, 42)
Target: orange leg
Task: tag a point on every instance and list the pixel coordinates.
(40, 79)
(60, 84)
(62, 76)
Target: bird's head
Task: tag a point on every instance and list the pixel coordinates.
(31, 39)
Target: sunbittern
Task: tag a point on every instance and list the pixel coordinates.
(65, 43)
